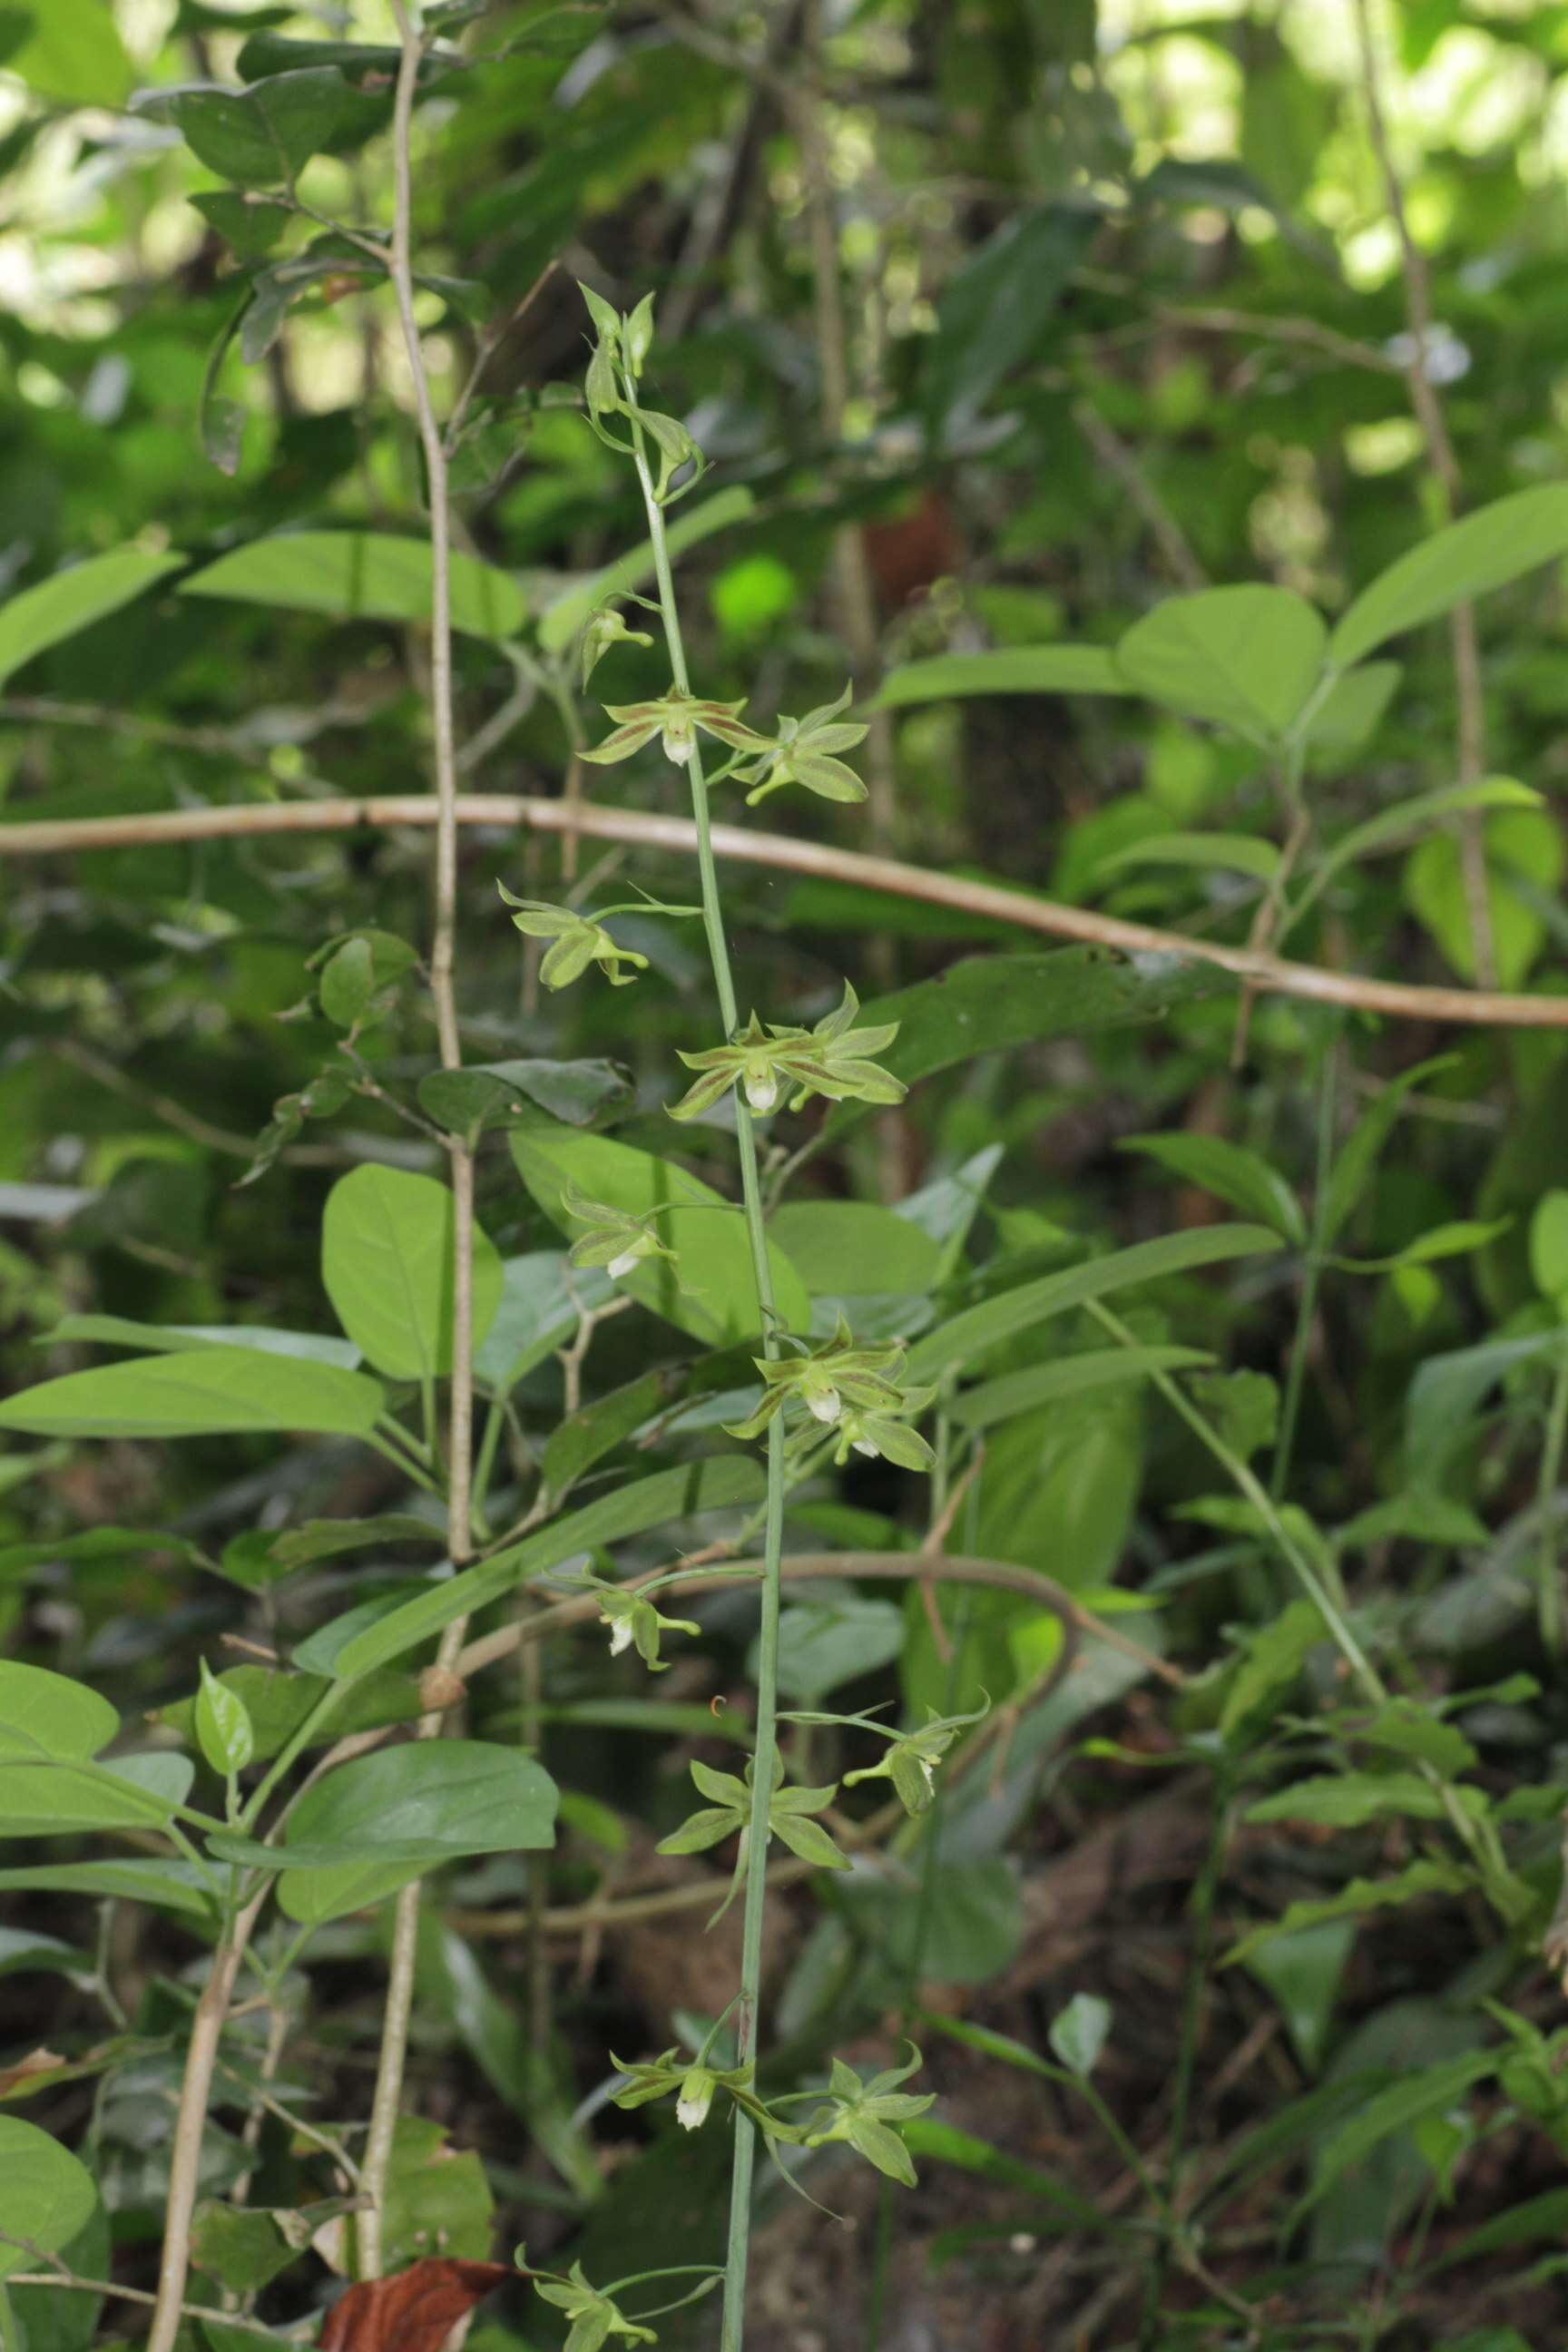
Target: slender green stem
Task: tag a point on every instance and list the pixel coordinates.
(1311, 1276)
(1477, 1836)
(1201, 1913)
(484, 1464)
(400, 1461)
(1549, 1599)
(765, 1748)
(327, 1705)
(931, 1828)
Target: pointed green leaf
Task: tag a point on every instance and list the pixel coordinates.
(361, 574)
(1232, 1172)
(979, 1329)
(44, 1714)
(209, 1391)
(46, 2195)
(1247, 658)
(1483, 551)
(73, 599)
(387, 1262)
(463, 1796)
(1012, 669)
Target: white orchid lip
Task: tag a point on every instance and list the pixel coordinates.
(824, 1404)
(625, 1262)
(620, 1635)
(761, 1089)
(680, 739)
(696, 2098)
(867, 1446)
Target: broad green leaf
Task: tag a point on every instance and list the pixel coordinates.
(1271, 1666)
(209, 1391)
(566, 615)
(996, 309)
(1353, 1901)
(715, 1483)
(1541, 2217)
(543, 1300)
(979, 1329)
(177, 1338)
(326, 1539)
(464, 1796)
(1447, 1392)
(278, 1704)
(946, 1210)
(387, 1262)
(223, 1725)
(361, 574)
(1429, 2091)
(84, 593)
(1549, 1247)
(1360, 1153)
(1245, 657)
(57, 1798)
(575, 1445)
(1070, 1376)
(484, 1094)
(240, 2246)
(1303, 1972)
(1524, 862)
(166, 1885)
(44, 1714)
(1014, 669)
(851, 1248)
(1345, 1800)
(262, 136)
(435, 2196)
(1350, 712)
(945, 2144)
(824, 1643)
(73, 55)
(23, 1953)
(1079, 2035)
(535, 2086)
(45, 2194)
(1468, 559)
(709, 1289)
(1392, 827)
(1235, 853)
(989, 1002)
(1232, 1173)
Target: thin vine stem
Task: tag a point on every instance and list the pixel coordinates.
(1312, 1275)
(765, 1743)
(388, 2096)
(1549, 1597)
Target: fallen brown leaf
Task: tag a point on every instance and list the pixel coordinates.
(36, 2062)
(414, 2312)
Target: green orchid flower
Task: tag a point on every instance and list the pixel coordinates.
(615, 1239)
(790, 1818)
(863, 2115)
(802, 753)
(676, 719)
(833, 1060)
(605, 627)
(847, 1386)
(694, 2083)
(912, 1757)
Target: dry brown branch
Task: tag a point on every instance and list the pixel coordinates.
(1270, 975)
